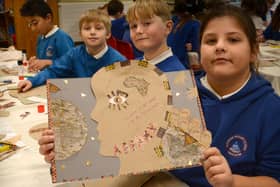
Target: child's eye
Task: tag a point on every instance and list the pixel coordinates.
(86, 28)
(210, 41)
(234, 40)
(133, 26)
(147, 23)
(98, 28)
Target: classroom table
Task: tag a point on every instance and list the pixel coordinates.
(26, 167)
(270, 64)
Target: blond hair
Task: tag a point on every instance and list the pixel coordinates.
(95, 15)
(146, 9)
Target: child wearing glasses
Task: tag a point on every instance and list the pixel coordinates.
(52, 42)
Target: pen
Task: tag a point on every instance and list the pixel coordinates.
(7, 81)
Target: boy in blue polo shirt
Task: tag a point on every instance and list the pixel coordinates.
(52, 42)
(150, 24)
(83, 60)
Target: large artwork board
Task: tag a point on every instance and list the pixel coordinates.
(129, 118)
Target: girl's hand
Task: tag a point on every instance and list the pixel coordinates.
(216, 168)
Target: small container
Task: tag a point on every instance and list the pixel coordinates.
(41, 108)
(21, 70)
(25, 61)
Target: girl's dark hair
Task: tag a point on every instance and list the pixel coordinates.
(35, 8)
(275, 21)
(212, 4)
(255, 7)
(184, 11)
(243, 19)
(114, 7)
(190, 6)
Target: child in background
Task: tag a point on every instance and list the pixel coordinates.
(104, 8)
(257, 9)
(272, 32)
(269, 12)
(184, 37)
(83, 60)
(240, 107)
(150, 23)
(52, 42)
(115, 10)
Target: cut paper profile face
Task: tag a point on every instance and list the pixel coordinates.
(131, 101)
(137, 121)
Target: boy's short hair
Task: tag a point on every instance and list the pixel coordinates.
(95, 15)
(146, 9)
(115, 7)
(35, 8)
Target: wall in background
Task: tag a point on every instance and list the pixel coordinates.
(69, 14)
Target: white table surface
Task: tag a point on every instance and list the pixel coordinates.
(271, 72)
(27, 167)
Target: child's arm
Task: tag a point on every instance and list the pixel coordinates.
(216, 168)
(218, 173)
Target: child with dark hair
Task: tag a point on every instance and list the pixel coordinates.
(240, 107)
(115, 10)
(52, 42)
(257, 9)
(184, 35)
(272, 32)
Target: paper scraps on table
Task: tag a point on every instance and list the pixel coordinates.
(24, 115)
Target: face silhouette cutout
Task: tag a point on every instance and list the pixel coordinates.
(131, 103)
(136, 119)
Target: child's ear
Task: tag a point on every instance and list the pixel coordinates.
(108, 36)
(255, 53)
(169, 25)
(48, 17)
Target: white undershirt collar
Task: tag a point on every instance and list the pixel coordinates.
(51, 32)
(205, 83)
(101, 53)
(161, 57)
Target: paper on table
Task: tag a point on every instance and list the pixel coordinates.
(10, 55)
(37, 99)
(13, 138)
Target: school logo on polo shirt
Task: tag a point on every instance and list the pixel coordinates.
(236, 145)
(49, 51)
